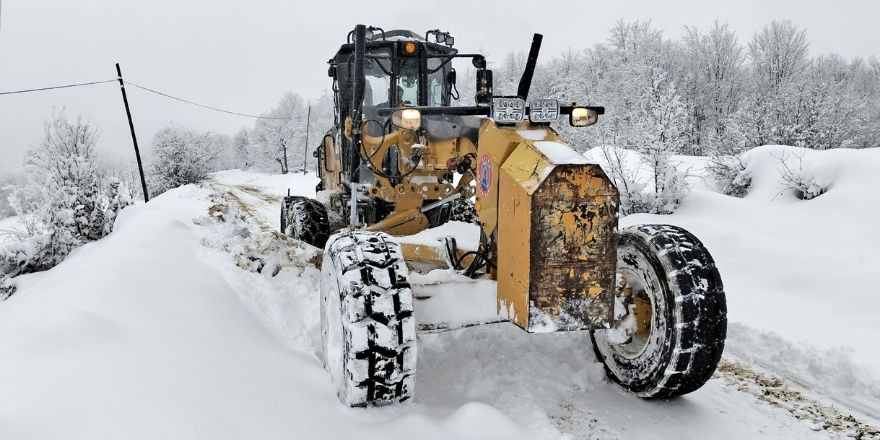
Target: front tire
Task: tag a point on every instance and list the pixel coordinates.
(367, 325)
(671, 315)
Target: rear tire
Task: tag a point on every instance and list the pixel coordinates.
(305, 219)
(681, 342)
(367, 325)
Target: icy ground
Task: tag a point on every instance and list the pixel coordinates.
(194, 319)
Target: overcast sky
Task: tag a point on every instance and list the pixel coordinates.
(243, 55)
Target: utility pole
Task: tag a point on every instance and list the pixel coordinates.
(306, 151)
(137, 152)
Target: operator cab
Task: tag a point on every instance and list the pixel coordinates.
(401, 68)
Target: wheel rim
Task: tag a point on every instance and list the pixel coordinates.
(636, 327)
(637, 269)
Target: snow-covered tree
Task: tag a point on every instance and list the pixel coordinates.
(182, 156)
(661, 129)
(279, 138)
(712, 84)
(635, 40)
(778, 52)
(241, 147)
(506, 76)
(69, 198)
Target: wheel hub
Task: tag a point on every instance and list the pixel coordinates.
(633, 311)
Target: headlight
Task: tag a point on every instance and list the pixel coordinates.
(582, 117)
(408, 118)
(508, 110)
(543, 111)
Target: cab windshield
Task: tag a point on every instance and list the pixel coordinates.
(391, 82)
(408, 79)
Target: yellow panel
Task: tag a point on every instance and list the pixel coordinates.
(513, 251)
(527, 166)
(495, 145)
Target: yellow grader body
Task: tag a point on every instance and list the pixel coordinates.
(401, 159)
(552, 214)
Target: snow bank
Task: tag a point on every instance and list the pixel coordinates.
(692, 167)
(143, 335)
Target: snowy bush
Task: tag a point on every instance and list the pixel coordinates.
(800, 182)
(6, 288)
(626, 179)
(657, 191)
(182, 156)
(729, 175)
(670, 187)
(67, 200)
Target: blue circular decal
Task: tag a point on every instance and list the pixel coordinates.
(485, 174)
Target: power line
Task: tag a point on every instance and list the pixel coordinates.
(66, 86)
(203, 105)
(166, 95)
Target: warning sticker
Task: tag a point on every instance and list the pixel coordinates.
(485, 174)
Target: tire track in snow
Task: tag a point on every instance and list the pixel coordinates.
(736, 391)
(239, 193)
(777, 392)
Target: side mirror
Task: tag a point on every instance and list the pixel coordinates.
(450, 84)
(450, 78)
(583, 117)
(484, 86)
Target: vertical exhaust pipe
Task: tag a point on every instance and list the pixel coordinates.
(357, 107)
(525, 82)
(357, 96)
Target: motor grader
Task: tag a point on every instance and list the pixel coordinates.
(401, 158)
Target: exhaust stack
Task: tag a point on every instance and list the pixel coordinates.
(525, 82)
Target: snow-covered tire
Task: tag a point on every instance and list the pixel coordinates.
(463, 210)
(367, 325)
(688, 323)
(305, 219)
